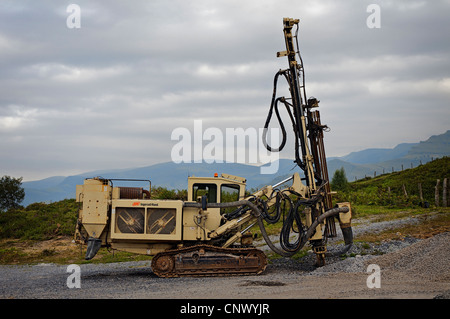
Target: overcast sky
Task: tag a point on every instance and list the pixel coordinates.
(109, 94)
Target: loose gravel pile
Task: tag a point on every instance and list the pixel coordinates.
(428, 259)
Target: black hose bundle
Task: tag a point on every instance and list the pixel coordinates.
(292, 221)
(293, 216)
(306, 235)
(287, 249)
(295, 125)
(274, 215)
(274, 105)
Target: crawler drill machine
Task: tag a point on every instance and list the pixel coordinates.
(208, 234)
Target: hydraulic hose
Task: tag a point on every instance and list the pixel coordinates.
(311, 230)
(329, 213)
(248, 203)
(257, 213)
(269, 242)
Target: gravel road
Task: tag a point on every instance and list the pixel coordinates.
(409, 268)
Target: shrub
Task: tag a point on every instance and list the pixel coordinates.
(40, 221)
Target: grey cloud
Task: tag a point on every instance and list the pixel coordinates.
(108, 95)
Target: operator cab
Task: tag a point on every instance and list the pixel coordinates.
(223, 189)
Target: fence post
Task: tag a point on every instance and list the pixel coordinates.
(436, 193)
(444, 193)
(404, 190)
(420, 192)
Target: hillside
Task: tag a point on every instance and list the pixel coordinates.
(376, 162)
(434, 147)
(387, 189)
(377, 155)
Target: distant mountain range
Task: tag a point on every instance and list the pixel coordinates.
(174, 176)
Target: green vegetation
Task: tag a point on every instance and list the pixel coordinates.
(339, 181)
(11, 192)
(59, 251)
(39, 221)
(164, 193)
(389, 189)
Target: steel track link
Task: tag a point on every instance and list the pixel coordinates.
(205, 260)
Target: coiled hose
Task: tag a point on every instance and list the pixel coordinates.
(257, 213)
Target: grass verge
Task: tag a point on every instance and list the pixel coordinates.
(58, 251)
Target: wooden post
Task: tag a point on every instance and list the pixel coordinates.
(389, 193)
(404, 190)
(436, 193)
(420, 192)
(444, 193)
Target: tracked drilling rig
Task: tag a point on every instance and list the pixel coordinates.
(209, 234)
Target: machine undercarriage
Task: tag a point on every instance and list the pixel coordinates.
(205, 260)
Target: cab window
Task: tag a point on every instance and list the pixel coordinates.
(228, 193)
(210, 190)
